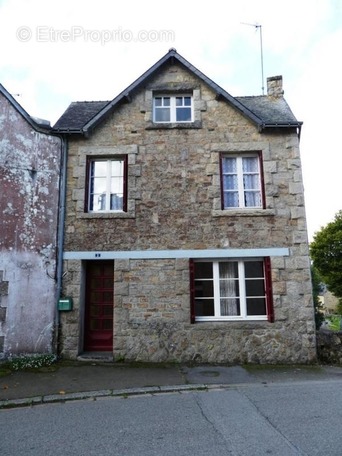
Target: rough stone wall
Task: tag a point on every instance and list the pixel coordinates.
(174, 203)
(29, 180)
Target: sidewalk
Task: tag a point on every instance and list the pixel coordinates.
(80, 380)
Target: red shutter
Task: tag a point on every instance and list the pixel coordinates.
(125, 184)
(268, 286)
(192, 290)
(262, 181)
(221, 180)
(87, 185)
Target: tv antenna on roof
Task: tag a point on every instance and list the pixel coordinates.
(258, 26)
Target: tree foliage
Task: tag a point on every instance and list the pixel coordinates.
(326, 253)
(316, 289)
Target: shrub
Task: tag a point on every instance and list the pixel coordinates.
(31, 361)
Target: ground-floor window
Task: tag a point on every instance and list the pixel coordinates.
(228, 290)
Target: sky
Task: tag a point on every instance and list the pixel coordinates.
(53, 53)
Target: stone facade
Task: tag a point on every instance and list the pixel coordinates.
(174, 204)
(29, 180)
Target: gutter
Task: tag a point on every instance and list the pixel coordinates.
(297, 125)
(68, 131)
(60, 235)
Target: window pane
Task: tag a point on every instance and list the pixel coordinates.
(255, 287)
(252, 199)
(157, 101)
(250, 164)
(251, 181)
(229, 288)
(116, 202)
(204, 288)
(228, 270)
(99, 168)
(230, 307)
(183, 114)
(99, 185)
(254, 269)
(256, 306)
(187, 101)
(179, 101)
(162, 115)
(231, 199)
(166, 101)
(117, 168)
(204, 270)
(204, 307)
(230, 182)
(229, 165)
(116, 185)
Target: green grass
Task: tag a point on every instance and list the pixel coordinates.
(334, 322)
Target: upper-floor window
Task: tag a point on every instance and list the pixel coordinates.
(172, 108)
(241, 181)
(231, 290)
(107, 184)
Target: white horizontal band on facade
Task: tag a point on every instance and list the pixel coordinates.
(171, 254)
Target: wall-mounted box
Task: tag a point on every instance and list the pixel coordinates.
(65, 304)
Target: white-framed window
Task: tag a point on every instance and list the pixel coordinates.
(241, 181)
(231, 290)
(107, 184)
(172, 108)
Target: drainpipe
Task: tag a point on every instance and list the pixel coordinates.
(60, 235)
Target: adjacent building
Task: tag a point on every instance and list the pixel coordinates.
(30, 157)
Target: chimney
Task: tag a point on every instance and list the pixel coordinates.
(275, 86)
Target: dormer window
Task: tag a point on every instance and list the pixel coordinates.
(172, 108)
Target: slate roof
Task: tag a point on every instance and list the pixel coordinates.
(271, 111)
(78, 114)
(264, 111)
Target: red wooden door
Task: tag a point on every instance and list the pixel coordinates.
(99, 306)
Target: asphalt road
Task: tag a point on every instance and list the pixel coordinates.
(295, 418)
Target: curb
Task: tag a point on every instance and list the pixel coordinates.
(61, 398)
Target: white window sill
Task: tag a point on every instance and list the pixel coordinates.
(237, 318)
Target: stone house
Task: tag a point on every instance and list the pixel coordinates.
(185, 232)
(29, 181)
